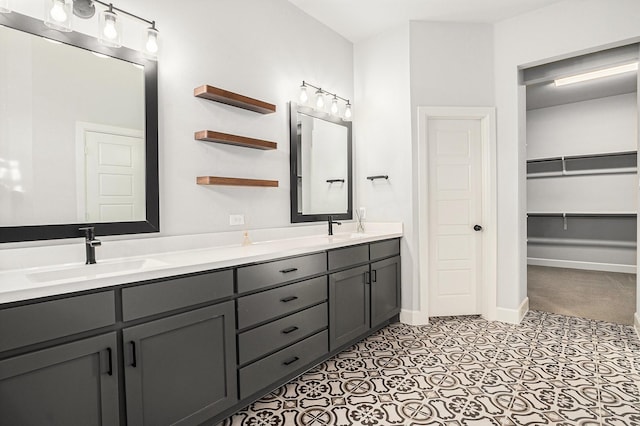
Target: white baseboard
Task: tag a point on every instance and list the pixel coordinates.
(513, 316)
(636, 323)
(589, 266)
(413, 317)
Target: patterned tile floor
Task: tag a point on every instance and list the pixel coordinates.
(549, 370)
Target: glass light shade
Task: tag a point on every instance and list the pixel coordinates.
(347, 112)
(110, 29)
(304, 96)
(334, 106)
(4, 6)
(319, 99)
(57, 14)
(151, 44)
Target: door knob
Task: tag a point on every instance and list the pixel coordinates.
(477, 228)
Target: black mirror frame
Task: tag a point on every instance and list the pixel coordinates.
(152, 207)
(297, 217)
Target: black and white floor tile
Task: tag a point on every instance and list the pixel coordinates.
(549, 370)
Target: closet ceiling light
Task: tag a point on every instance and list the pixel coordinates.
(607, 72)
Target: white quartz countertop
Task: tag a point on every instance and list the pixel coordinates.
(159, 257)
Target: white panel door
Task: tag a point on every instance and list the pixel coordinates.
(455, 184)
(114, 168)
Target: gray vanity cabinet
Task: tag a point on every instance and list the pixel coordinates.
(69, 384)
(348, 305)
(181, 369)
(385, 290)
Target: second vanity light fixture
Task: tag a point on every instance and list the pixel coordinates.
(319, 100)
(58, 15)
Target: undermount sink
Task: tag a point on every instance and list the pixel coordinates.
(94, 271)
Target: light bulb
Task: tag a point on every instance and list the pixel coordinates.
(319, 99)
(152, 41)
(334, 105)
(347, 111)
(109, 29)
(57, 12)
(304, 96)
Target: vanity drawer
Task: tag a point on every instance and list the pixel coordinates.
(348, 256)
(384, 249)
(264, 275)
(39, 322)
(276, 302)
(269, 370)
(257, 342)
(148, 299)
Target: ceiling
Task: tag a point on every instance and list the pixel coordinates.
(357, 20)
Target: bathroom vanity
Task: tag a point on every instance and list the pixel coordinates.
(192, 348)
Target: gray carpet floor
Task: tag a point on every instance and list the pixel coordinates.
(606, 296)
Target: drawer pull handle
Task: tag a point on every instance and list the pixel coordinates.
(288, 299)
(367, 278)
(291, 361)
(289, 330)
(134, 362)
(286, 271)
(374, 274)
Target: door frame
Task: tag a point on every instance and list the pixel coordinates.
(82, 128)
(488, 280)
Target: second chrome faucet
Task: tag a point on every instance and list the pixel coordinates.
(90, 243)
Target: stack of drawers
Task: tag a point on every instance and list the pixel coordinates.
(282, 319)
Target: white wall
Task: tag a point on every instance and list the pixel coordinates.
(259, 48)
(560, 30)
(383, 141)
(421, 64)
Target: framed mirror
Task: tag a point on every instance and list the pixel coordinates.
(78, 135)
(321, 166)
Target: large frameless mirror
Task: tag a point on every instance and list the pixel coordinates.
(321, 166)
(78, 135)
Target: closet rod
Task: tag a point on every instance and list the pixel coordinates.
(582, 242)
(622, 170)
(577, 157)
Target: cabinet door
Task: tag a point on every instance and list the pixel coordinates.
(70, 384)
(181, 369)
(348, 305)
(385, 290)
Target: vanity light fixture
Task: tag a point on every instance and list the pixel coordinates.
(607, 72)
(319, 102)
(58, 14)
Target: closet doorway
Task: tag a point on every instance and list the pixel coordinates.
(582, 186)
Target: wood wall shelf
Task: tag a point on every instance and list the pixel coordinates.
(224, 96)
(228, 181)
(225, 138)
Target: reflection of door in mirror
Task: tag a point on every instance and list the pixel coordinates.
(324, 167)
(111, 164)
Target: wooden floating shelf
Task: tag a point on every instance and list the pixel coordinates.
(217, 180)
(225, 138)
(224, 96)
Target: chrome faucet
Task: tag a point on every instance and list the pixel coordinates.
(330, 221)
(90, 244)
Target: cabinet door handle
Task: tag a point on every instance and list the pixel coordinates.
(367, 278)
(289, 329)
(286, 271)
(134, 361)
(109, 362)
(290, 361)
(288, 299)
(374, 274)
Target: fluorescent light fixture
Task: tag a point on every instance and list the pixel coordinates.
(596, 74)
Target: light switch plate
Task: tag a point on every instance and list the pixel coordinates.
(236, 219)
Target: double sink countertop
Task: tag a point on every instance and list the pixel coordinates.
(41, 271)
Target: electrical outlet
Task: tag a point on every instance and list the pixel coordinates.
(363, 212)
(236, 219)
